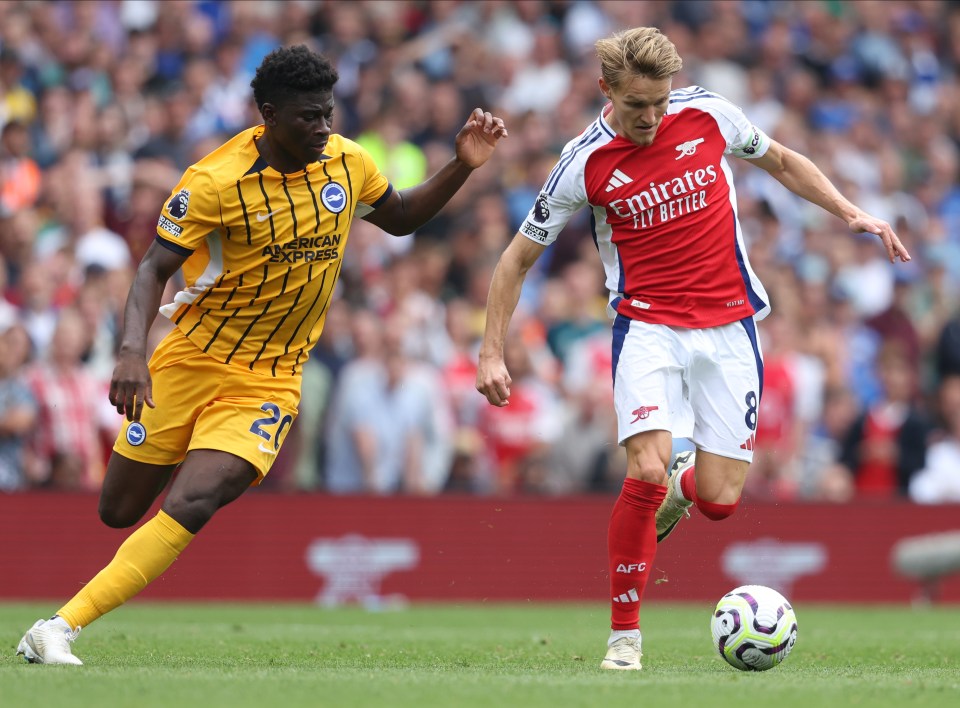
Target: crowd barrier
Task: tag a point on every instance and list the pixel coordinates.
(378, 550)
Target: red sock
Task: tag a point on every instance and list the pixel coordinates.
(712, 510)
(632, 545)
(688, 484)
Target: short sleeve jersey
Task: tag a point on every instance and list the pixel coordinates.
(264, 248)
(664, 215)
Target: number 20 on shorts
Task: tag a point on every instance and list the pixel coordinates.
(261, 426)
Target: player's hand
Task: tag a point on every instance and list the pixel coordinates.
(478, 137)
(131, 386)
(868, 224)
(493, 381)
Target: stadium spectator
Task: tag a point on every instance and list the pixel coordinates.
(581, 286)
(67, 443)
(848, 347)
(19, 174)
(887, 443)
(36, 294)
(539, 80)
(136, 219)
(9, 313)
(895, 322)
(459, 372)
(18, 104)
(947, 353)
(101, 312)
(365, 340)
(931, 303)
(169, 135)
(18, 415)
(583, 459)
(867, 279)
(518, 438)
(391, 428)
(400, 295)
(18, 232)
(780, 427)
(682, 294)
(111, 161)
(822, 477)
(387, 143)
(53, 131)
(224, 100)
(938, 482)
(221, 390)
(82, 234)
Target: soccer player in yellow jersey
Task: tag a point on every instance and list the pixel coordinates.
(259, 228)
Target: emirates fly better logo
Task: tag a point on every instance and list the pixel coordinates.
(660, 202)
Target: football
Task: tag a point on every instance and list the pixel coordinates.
(754, 628)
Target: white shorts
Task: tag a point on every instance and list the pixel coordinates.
(701, 384)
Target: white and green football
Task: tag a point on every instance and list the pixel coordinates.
(754, 628)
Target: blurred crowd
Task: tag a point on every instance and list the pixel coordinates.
(103, 104)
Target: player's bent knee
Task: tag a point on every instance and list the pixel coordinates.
(651, 474)
(118, 518)
(716, 512)
(647, 468)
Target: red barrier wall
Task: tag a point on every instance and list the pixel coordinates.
(275, 547)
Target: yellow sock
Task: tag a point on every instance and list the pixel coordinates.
(145, 554)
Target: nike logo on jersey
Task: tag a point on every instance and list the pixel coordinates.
(267, 450)
(688, 148)
(264, 217)
(618, 180)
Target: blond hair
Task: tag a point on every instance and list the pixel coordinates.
(639, 51)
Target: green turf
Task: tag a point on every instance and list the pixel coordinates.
(532, 655)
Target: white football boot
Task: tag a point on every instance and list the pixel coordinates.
(623, 655)
(674, 507)
(48, 642)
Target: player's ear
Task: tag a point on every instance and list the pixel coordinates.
(269, 113)
(604, 87)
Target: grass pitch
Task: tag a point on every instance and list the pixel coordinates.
(535, 655)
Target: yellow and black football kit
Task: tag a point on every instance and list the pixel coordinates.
(264, 252)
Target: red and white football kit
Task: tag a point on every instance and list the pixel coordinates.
(683, 297)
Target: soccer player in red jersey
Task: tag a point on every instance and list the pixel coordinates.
(652, 169)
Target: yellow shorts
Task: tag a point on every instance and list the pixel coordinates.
(204, 404)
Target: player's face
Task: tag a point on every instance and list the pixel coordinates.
(639, 105)
(301, 126)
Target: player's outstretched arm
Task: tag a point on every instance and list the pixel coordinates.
(798, 174)
(407, 210)
(130, 386)
(493, 379)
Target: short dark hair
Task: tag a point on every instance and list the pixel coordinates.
(288, 71)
